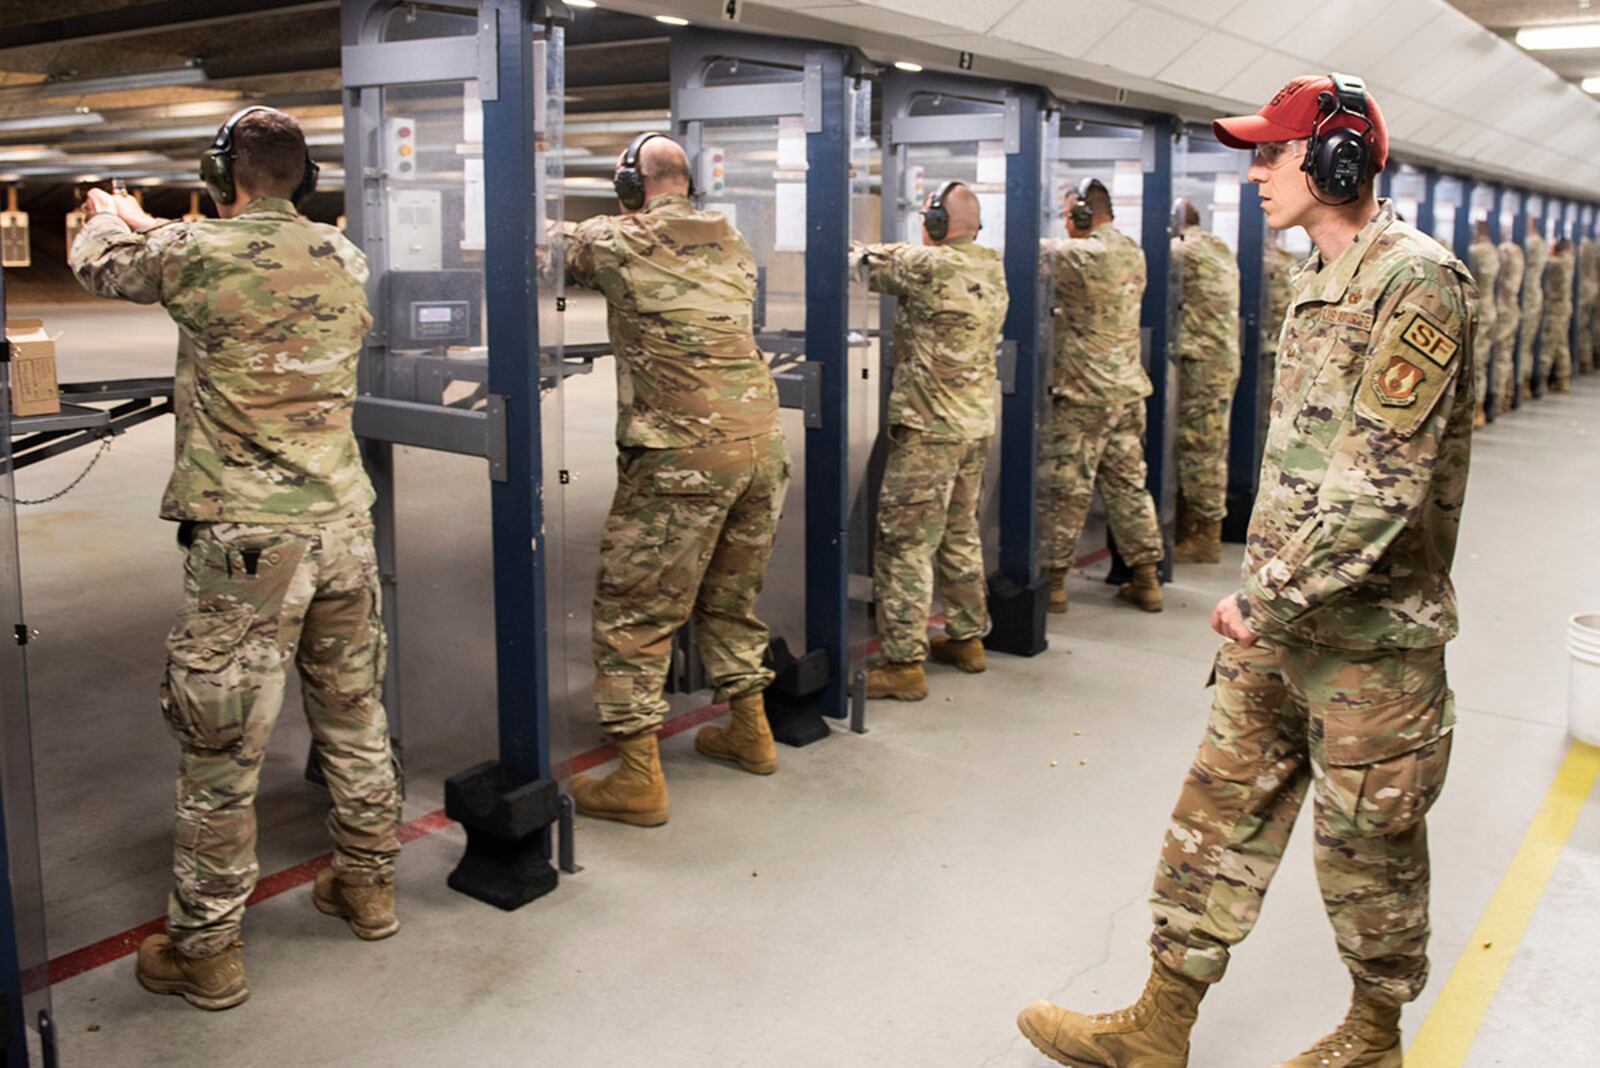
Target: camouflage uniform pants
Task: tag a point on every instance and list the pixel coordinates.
(1369, 732)
(1532, 319)
(1092, 447)
(1505, 355)
(927, 511)
(1555, 343)
(689, 533)
(256, 599)
(1205, 399)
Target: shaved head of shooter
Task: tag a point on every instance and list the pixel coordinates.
(966, 216)
(665, 168)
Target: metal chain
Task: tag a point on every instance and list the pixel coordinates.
(105, 445)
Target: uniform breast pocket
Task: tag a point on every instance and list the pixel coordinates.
(1333, 366)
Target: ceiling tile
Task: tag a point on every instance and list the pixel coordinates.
(1066, 27)
(1209, 12)
(1211, 62)
(1269, 21)
(1145, 42)
(1262, 77)
(976, 15)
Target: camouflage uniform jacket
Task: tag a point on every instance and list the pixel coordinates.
(1588, 271)
(1513, 265)
(1484, 260)
(1355, 526)
(1209, 329)
(680, 289)
(1558, 284)
(952, 304)
(1099, 286)
(271, 311)
(1536, 254)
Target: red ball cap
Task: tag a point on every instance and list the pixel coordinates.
(1292, 114)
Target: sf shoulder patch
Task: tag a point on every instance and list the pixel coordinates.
(1429, 339)
(1413, 363)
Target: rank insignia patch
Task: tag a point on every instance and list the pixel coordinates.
(1398, 381)
(1430, 341)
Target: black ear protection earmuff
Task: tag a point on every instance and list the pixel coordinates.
(629, 179)
(1338, 160)
(216, 164)
(1081, 214)
(936, 217)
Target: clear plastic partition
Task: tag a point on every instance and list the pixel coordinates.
(866, 374)
(1533, 208)
(19, 831)
(425, 229)
(978, 165)
(1407, 190)
(1448, 194)
(763, 188)
(1481, 205)
(1113, 153)
(1510, 205)
(1210, 176)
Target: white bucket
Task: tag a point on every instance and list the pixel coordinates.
(1583, 685)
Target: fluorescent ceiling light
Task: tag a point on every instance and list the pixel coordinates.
(1591, 85)
(1576, 36)
(53, 122)
(672, 20)
(907, 65)
(582, 3)
(29, 153)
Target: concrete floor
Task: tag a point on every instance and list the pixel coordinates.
(887, 899)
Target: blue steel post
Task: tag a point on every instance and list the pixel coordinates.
(828, 447)
(1496, 231)
(1019, 436)
(14, 1025)
(1156, 315)
(1244, 424)
(1519, 234)
(1430, 188)
(1463, 233)
(1573, 230)
(510, 160)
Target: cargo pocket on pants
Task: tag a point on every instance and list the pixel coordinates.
(1385, 765)
(203, 693)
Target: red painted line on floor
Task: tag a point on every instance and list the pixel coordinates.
(107, 950)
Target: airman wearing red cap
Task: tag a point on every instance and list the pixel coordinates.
(1331, 675)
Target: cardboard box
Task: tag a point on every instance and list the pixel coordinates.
(33, 368)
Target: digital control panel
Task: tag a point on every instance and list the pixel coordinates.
(444, 320)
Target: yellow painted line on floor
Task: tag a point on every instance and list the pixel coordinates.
(1453, 1022)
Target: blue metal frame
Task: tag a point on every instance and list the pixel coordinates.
(1491, 408)
(1020, 430)
(1463, 227)
(827, 326)
(1156, 313)
(828, 547)
(1245, 439)
(1430, 185)
(510, 165)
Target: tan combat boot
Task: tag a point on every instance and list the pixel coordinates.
(1145, 589)
(966, 653)
(1561, 385)
(214, 982)
(368, 909)
(1153, 1032)
(1480, 418)
(1203, 545)
(1058, 590)
(903, 682)
(747, 741)
(1368, 1038)
(635, 793)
